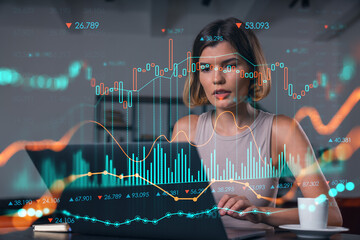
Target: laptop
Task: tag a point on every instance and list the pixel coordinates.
(141, 190)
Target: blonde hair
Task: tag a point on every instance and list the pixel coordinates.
(246, 44)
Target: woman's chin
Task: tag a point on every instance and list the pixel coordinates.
(224, 105)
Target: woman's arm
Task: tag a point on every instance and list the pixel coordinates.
(185, 129)
(285, 131)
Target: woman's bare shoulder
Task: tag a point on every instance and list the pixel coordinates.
(286, 130)
(186, 125)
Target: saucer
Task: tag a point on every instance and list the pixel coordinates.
(313, 233)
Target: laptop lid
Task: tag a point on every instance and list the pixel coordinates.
(139, 190)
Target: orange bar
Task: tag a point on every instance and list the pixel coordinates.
(101, 88)
(259, 79)
(242, 73)
(211, 67)
(303, 93)
(319, 77)
(107, 91)
(268, 74)
(188, 61)
(125, 104)
(294, 96)
(93, 82)
(198, 66)
(311, 85)
(171, 54)
(286, 78)
(161, 72)
(144, 70)
(116, 85)
(134, 79)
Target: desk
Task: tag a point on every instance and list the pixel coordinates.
(29, 234)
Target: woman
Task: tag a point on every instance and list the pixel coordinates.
(221, 82)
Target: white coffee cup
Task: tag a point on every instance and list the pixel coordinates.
(313, 212)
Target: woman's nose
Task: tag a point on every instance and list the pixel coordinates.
(219, 77)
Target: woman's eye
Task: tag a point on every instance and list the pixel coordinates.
(206, 69)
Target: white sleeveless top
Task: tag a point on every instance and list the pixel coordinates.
(237, 157)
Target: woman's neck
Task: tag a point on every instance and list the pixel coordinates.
(224, 119)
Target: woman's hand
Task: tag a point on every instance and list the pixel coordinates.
(237, 204)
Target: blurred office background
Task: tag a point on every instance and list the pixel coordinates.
(312, 38)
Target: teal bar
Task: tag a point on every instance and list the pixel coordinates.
(227, 169)
(182, 165)
(251, 166)
(175, 170)
(151, 173)
(154, 169)
(233, 176)
(265, 167)
(129, 170)
(211, 166)
(247, 166)
(165, 180)
(169, 180)
(256, 174)
(189, 175)
(215, 165)
(242, 170)
(158, 164)
(162, 166)
(133, 169)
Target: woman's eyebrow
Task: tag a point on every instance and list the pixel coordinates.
(223, 62)
(229, 60)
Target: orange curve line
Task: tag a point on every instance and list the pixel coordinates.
(57, 146)
(18, 223)
(342, 152)
(337, 119)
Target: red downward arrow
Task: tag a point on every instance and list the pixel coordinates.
(68, 25)
(187, 191)
(298, 184)
(99, 197)
(50, 219)
(238, 25)
(327, 182)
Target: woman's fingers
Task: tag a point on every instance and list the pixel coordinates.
(222, 203)
(232, 204)
(239, 205)
(251, 214)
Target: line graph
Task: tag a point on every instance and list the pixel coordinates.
(180, 213)
(57, 188)
(336, 120)
(53, 145)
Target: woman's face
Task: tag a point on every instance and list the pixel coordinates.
(223, 89)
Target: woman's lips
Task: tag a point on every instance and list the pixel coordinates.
(221, 94)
